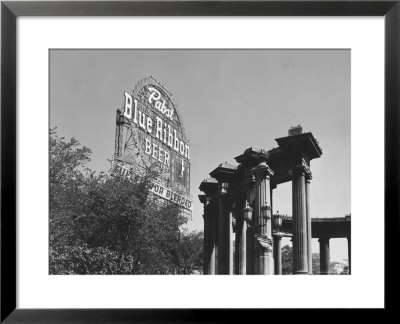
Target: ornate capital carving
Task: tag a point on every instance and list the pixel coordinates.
(264, 242)
(301, 169)
(262, 171)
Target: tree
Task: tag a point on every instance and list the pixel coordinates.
(287, 263)
(107, 223)
(190, 252)
(287, 256)
(315, 263)
(67, 161)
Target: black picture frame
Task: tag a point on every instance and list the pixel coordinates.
(10, 10)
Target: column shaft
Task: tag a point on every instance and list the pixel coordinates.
(300, 236)
(309, 229)
(206, 243)
(349, 252)
(324, 255)
(264, 261)
(250, 246)
(242, 248)
(216, 241)
(230, 245)
(212, 240)
(250, 255)
(278, 255)
(237, 247)
(223, 236)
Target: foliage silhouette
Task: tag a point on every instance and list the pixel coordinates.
(107, 223)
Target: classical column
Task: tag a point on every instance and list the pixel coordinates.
(210, 187)
(245, 217)
(223, 229)
(211, 263)
(237, 229)
(250, 246)
(278, 254)
(264, 263)
(216, 240)
(242, 248)
(206, 243)
(224, 174)
(212, 238)
(324, 255)
(349, 252)
(300, 235)
(309, 230)
(250, 253)
(230, 242)
(210, 217)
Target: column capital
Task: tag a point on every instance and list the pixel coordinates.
(224, 172)
(205, 200)
(277, 236)
(264, 242)
(252, 156)
(324, 239)
(209, 187)
(301, 168)
(262, 170)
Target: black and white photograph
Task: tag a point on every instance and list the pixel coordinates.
(199, 162)
(195, 160)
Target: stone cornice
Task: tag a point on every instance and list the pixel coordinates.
(209, 186)
(224, 172)
(334, 227)
(322, 219)
(301, 143)
(252, 157)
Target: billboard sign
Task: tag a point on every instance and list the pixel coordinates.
(150, 133)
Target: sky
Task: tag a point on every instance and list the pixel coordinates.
(229, 100)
